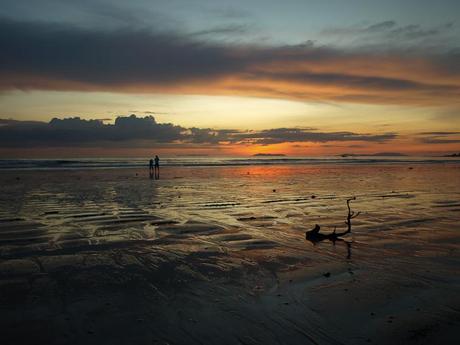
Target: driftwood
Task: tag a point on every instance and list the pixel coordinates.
(315, 236)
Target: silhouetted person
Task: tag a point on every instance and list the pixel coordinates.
(157, 168)
(151, 168)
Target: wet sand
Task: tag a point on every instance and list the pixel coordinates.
(218, 256)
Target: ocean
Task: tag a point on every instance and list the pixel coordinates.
(118, 163)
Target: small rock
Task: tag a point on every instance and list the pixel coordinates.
(313, 196)
(327, 274)
(274, 190)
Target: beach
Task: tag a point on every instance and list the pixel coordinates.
(218, 255)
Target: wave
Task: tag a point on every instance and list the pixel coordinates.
(117, 163)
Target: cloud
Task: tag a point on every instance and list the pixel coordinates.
(230, 29)
(148, 112)
(58, 52)
(416, 31)
(390, 29)
(79, 132)
(89, 13)
(138, 131)
(439, 141)
(18, 123)
(439, 133)
(382, 26)
(356, 81)
(208, 135)
(282, 135)
(39, 53)
(62, 57)
(440, 137)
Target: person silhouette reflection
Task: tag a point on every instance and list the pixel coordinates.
(151, 168)
(157, 167)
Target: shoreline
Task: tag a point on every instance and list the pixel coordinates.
(208, 162)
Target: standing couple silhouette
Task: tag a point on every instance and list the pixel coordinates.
(154, 168)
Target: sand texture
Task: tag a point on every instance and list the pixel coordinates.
(219, 256)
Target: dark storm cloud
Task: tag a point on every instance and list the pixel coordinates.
(129, 130)
(129, 57)
(107, 57)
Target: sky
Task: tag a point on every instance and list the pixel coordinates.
(299, 77)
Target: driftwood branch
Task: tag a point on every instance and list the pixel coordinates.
(315, 236)
(350, 216)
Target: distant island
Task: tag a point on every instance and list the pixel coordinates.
(378, 154)
(453, 155)
(269, 155)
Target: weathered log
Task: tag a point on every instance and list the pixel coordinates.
(315, 236)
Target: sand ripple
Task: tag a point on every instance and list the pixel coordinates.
(221, 255)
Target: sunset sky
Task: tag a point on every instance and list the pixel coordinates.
(229, 78)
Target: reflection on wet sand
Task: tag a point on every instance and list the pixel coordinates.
(221, 257)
